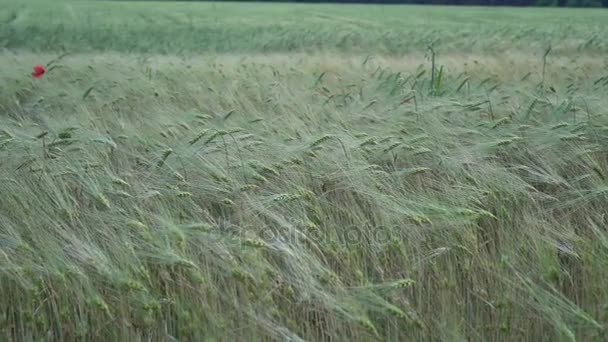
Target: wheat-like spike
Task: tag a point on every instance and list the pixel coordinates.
(581, 126)
(91, 165)
(307, 194)
(254, 164)
(198, 137)
(235, 130)
(422, 150)
(418, 138)
(179, 176)
(6, 133)
(203, 116)
(381, 173)
(141, 162)
(133, 285)
(280, 198)
(199, 226)
(403, 283)
(219, 177)
(151, 306)
(164, 157)
(254, 243)
(98, 302)
(278, 166)
(258, 177)
(185, 263)
(385, 139)
(500, 122)
(369, 141)
(120, 182)
(311, 226)
(252, 144)
(421, 219)
(177, 236)
(243, 276)
(62, 142)
(503, 142)
(121, 193)
(268, 169)
(395, 311)
(392, 146)
(371, 103)
(42, 135)
(197, 276)
(246, 136)
(572, 137)
(296, 161)
(418, 323)
(414, 171)
(102, 200)
(373, 167)
(321, 140)
(184, 194)
(152, 194)
(76, 149)
(368, 325)
(64, 135)
(215, 135)
(312, 154)
(248, 187)
(509, 141)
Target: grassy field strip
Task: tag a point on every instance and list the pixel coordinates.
(203, 171)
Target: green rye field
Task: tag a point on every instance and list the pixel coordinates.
(254, 172)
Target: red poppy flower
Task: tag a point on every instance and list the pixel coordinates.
(39, 70)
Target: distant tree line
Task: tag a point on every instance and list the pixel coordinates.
(544, 3)
(541, 3)
(521, 3)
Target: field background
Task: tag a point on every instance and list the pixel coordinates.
(225, 171)
(202, 27)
